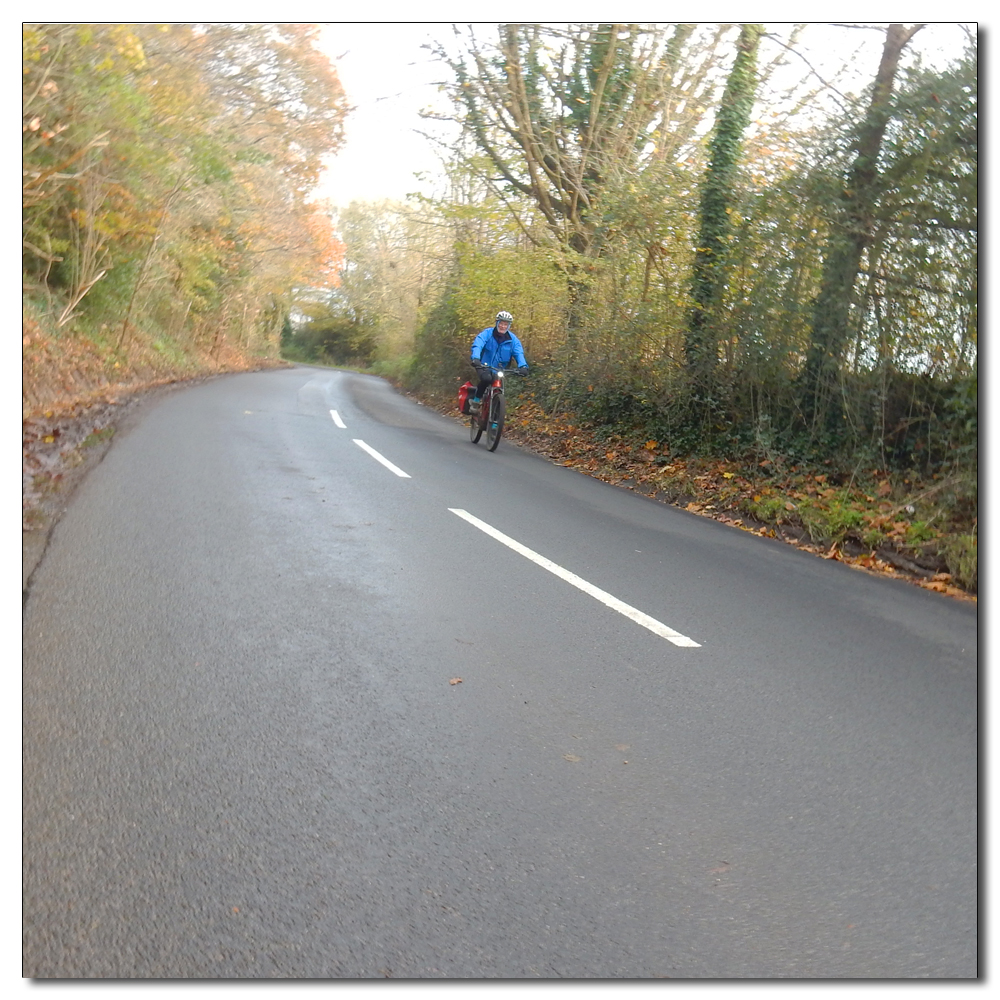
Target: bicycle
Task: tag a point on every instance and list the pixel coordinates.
(492, 411)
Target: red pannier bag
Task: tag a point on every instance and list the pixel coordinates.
(465, 393)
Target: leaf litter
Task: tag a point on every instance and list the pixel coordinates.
(872, 520)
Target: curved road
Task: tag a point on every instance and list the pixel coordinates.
(676, 750)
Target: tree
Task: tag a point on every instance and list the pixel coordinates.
(921, 287)
(167, 170)
(279, 98)
(563, 115)
(851, 237)
(712, 257)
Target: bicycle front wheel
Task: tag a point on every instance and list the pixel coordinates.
(494, 426)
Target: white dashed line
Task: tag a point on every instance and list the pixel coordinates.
(336, 419)
(381, 458)
(639, 617)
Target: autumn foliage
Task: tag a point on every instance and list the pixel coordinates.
(167, 170)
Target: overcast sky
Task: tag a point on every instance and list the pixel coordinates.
(389, 79)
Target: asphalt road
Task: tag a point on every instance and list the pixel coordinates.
(244, 756)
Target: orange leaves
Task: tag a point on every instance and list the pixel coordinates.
(941, 583)
(326, 251)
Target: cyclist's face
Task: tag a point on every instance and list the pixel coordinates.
(503, 326)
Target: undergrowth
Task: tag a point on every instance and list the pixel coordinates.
(919, 524)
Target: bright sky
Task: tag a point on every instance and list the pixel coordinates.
(388, 79)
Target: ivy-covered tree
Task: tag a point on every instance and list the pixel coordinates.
(718, 200)
(562, 115)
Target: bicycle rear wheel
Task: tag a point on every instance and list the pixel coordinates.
(475, 428)
(494, 425)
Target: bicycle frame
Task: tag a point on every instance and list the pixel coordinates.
(496, 386)
(492, 413)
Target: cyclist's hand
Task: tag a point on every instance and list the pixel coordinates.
(523, 370)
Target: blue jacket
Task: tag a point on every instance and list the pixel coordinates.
(496, 353)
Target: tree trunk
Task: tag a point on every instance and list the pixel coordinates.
(147, 258)
(711, 266)
(833, 304)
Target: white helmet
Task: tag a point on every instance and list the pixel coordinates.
(504, 317)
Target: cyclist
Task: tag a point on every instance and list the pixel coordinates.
(494, 348)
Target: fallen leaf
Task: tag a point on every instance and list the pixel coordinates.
(455, 680)
(571, 757)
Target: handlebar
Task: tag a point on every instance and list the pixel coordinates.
(504, 371)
